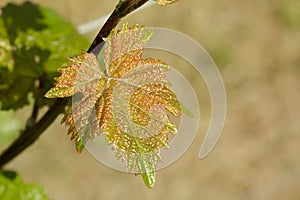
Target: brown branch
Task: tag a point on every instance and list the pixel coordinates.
(121, 10)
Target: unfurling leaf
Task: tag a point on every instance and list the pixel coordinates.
(126, 98)
(166, 2)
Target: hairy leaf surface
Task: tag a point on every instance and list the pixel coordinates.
(126, 97)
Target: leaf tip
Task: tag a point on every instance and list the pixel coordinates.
(149, 179)
(49, 94)
(186, 111)
(79, 145)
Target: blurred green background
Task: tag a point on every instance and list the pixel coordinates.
(256, 45)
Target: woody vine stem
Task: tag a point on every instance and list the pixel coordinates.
(35, 128)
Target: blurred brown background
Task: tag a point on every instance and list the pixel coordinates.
(256, 45)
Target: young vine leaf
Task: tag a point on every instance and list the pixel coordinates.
(166, 2)
(123, 96)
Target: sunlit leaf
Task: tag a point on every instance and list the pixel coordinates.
(128, 100)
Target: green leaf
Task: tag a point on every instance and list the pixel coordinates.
(34, 42)
(12, 187)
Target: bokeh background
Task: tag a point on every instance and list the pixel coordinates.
(256, 45)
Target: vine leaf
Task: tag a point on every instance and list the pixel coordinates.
(122, 95)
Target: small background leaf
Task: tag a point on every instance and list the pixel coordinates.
(34, 42)
(13, 188)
